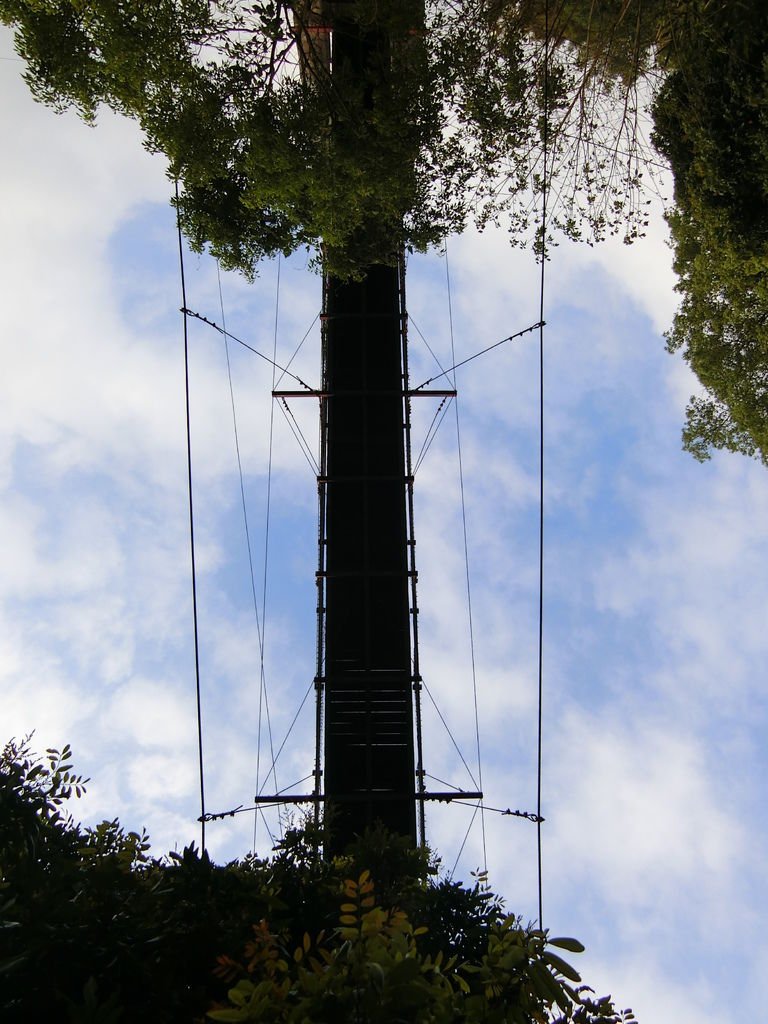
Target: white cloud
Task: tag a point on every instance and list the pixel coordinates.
(661, 994)
(150, 712)
(631, 780)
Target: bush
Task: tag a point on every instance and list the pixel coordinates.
(92, 928)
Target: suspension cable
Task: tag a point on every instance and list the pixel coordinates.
(298, 434)
(239, 459)
(263, 695)
(198, 694)
(478, 807)
(429, 348)
(296, 352)
(542, 256)
(225, 334)
(434, 427)
(276, 757)
(442, 408)
(452, 738)
(489, 348)
(466, 563)
(275, 366)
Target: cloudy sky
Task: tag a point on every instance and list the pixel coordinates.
(656, 583)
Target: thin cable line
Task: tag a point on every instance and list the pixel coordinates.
(466, 560)
(429, 347)
(201, 765)
(276, 756)
(545, 145)
(302, 442)
(226, 336)
(505, 812)
(239, 459)
(294, 785)
(511, 337)
(434, 427)
(233, 337)
(297, 350)
(443, 407)
(448, 785)
(451, 736)
(259, 811)
(263, 695)
(478, 807)
(256, 808)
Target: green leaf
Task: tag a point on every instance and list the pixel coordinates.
(560, 965)
(12, 963)
(547, 987)
(241, 993)
(572, 945)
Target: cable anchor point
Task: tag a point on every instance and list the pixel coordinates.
(528, 815)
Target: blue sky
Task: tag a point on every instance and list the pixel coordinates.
(656, 586)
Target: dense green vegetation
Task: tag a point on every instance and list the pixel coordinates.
(711, 122)
(93, 928)
(441, 122)
(445, 126)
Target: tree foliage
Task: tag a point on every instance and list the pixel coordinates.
(445, 123)
(276, 152)
(93, 928)
(711, 122)
(371, 969)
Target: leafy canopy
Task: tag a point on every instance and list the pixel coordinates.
(441, 123)
(92, 928)
(711, 122)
